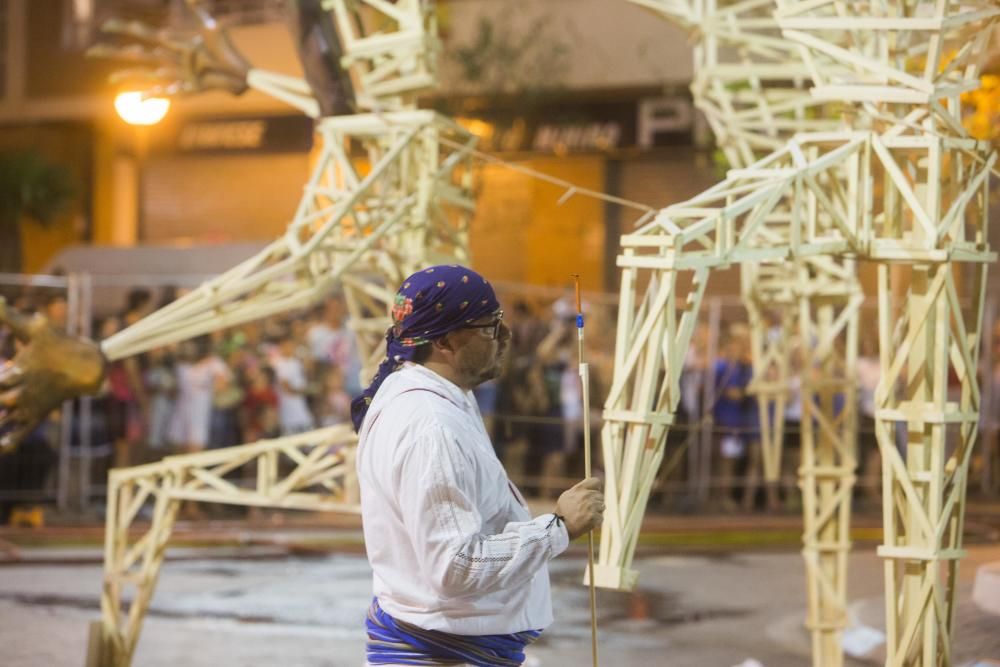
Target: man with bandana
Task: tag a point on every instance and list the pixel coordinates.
(460, 567)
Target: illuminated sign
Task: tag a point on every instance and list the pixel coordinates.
(275, 134)
(582, 127)
(226, 135)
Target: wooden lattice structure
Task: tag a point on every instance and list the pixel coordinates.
(890, 176)
(313, 471)
(899, 182)
(390, 192)
(365, 231)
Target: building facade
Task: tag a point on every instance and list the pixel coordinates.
(590, 92)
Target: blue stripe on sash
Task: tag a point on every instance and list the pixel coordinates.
(394, 642)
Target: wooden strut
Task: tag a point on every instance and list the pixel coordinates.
(909, 193)
(587, 463)
(896, 181)
(362, 226)
(311, 471)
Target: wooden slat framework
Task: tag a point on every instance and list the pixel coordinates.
(312, 471)
(912, 196)
(896, 182)
(673, 256)
(390, 52)
(365, 232)
(768, 293)
(390, 192)
(828, 326)
(924, 218)
(391, 49)
(748, 80)
(925, 484)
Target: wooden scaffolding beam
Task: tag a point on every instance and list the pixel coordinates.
(913, 199)
(390, 192)
(312, 471)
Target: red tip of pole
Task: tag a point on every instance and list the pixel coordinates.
(576, 284)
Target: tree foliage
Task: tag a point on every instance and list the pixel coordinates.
(30, 187)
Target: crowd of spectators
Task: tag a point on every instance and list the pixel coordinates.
(265, 379)
(289, 374)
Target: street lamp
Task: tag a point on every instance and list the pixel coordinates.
(137, 109)
(141, 112)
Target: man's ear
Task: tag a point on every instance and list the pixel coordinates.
(444, 343)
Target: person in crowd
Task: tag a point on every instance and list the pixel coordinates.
(292, 385)
(168, 294)
(869, 372)
(226, 401)
(754, 469)
(333, 405)
(791, 455)
(138, 304)
(200, 373)
(696, 363)
(298, 328)
(124, 402)
(537, 425)
(527, 330)
(320, 333)
(487, 395)
(556, 354)
(731, 377)
(224, 343)
(161, 387)
(56, 310)
(259, 413)
(508, 429)
(252, 341)
(331, 341)
(571, 411)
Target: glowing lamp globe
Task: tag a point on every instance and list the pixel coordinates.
(135, 109)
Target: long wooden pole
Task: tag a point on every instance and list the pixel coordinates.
(588, 468)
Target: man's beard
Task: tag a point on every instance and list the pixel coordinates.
(476, 371)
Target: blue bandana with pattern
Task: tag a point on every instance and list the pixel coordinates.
(429, 304)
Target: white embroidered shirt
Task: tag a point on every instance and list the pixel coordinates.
(451, 543)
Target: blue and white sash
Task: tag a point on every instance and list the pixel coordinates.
(393, 642)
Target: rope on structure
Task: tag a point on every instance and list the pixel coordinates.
(571, 189)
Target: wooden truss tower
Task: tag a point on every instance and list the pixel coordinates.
(751, 84)
(312, 471)
(390, 192)
(896, 181)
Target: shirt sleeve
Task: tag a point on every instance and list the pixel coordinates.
(436, 495)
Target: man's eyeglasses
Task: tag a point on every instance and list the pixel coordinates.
(491, 329)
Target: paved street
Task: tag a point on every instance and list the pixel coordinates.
(720, 610)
